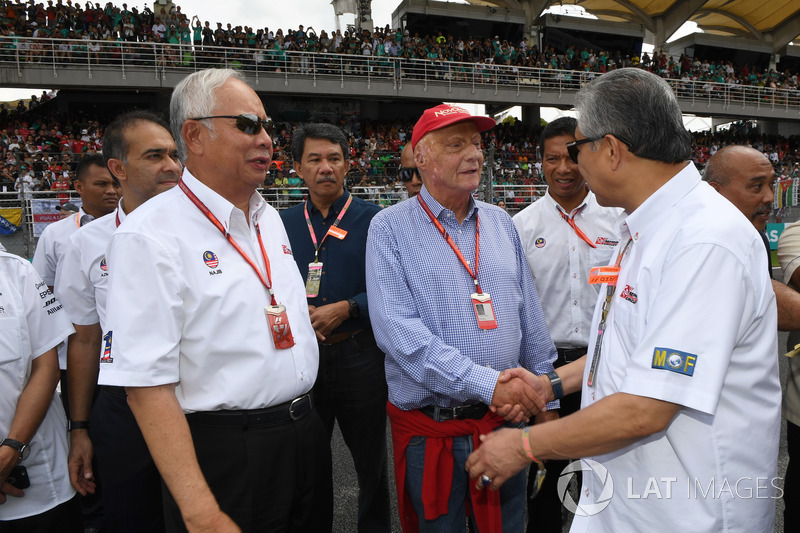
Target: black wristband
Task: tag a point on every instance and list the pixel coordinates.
(555, 382)
(78, 424)
(354, 310)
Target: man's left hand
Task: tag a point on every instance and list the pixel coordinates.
(327, 318)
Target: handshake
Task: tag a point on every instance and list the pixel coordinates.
(519, 395)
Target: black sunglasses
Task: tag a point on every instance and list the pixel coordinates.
(573, 150)
(247, 123)
(407, 173)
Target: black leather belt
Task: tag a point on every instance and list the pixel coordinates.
(460, 412)
(568, 355)
(293, 410)
(111, 389)
(341, 337)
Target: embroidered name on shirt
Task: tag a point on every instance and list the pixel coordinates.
(628, 294)
(606, 241)
(674, 361)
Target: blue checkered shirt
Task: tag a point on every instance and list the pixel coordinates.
(422, 313)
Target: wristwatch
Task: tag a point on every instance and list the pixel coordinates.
(22, 448)
(354, 310)
(555, 382)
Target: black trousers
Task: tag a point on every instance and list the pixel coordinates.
(545, 510)
(130, 479)
(64, 518)
(351, 389)
(791, 483)
(272, 478)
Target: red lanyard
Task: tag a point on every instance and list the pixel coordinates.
(578, 232)
(453, 244)
(210, 216)
(335, 224)
(116, 217)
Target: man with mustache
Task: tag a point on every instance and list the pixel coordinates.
(328, 233)
(214, 345)
(141, 155)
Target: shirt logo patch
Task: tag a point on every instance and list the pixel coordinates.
(287, 250)
(674, 361)
(106, 357)
(210, 259)
(606, 241)
(628, 294)
(539, 243)
(103, 265)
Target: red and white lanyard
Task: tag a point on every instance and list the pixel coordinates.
(453, 245)
(330, 231)
(210, 216)
(571, 221)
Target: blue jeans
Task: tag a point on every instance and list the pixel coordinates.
(512, 493)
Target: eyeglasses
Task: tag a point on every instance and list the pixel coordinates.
(573, 150)
(407, 173)
(247, 123)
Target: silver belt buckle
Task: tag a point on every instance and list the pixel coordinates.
(292, 405)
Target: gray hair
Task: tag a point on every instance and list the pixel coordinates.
(638, 108)
(195, 96)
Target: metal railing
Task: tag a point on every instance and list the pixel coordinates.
(37, 208)
(160, 58)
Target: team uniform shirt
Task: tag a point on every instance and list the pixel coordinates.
(789, 257)
(30, 325)
(422, 314)
(82, 282)
(560, 261)
(693, 321)
(194, 308)
(48, 255)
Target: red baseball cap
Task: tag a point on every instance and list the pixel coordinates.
(445, 115)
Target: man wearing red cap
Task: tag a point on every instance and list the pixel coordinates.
(453, 305)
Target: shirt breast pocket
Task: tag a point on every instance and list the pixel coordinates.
(600, 256)
(10, 341)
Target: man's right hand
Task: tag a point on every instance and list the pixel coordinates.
(516, 399)
(80, 462)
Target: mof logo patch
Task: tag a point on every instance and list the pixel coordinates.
(674, 361)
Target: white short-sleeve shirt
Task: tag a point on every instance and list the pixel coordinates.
(31, 323)
(560, 262)
(82, 282)
(193, 310)
(693, 321)
(47, 257)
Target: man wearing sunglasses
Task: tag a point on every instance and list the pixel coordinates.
(408, 172)
(215, 346)
(328, 232)
(680, 386)
(564, 234)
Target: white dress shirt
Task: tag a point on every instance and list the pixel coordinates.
(200, 322)
(31, 323)
(560, 262)
(693, 322)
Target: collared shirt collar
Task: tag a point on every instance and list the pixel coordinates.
(336, 206)
(120, 212)
(219, 206)
(666, 196)
(555, 205)
(437, 208)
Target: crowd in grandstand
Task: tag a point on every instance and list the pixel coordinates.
(120, 28)
(39, 152)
